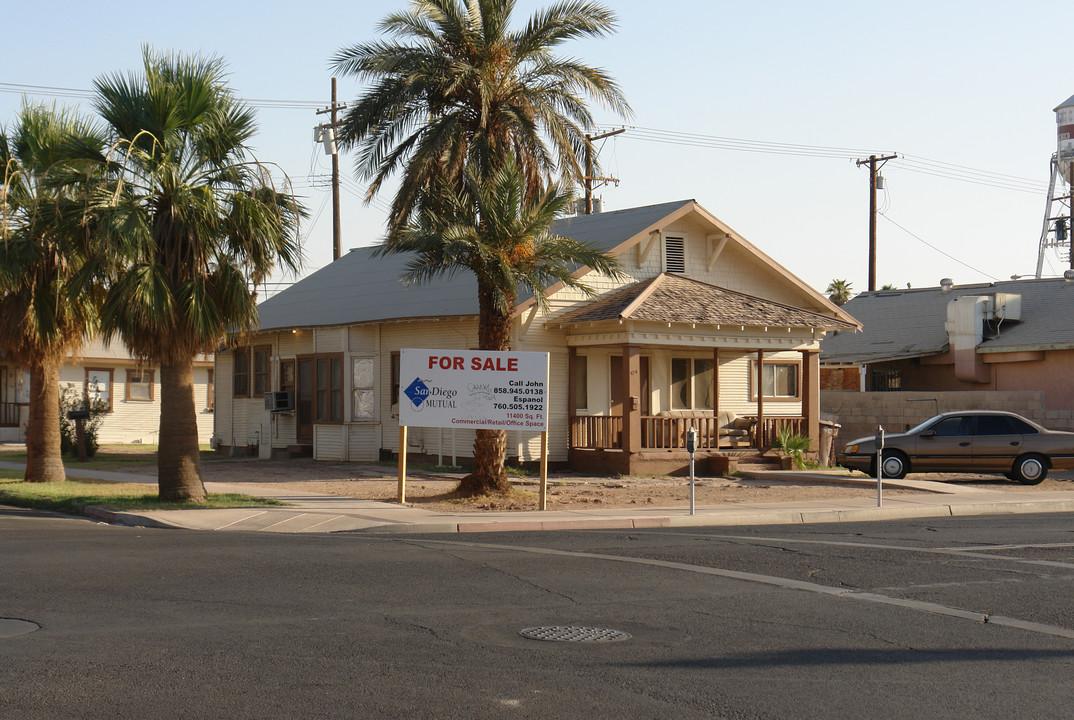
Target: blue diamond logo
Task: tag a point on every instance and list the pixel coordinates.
(417, 391)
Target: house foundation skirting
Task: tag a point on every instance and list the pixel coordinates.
(618, 462)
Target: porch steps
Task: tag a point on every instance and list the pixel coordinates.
(747, 462)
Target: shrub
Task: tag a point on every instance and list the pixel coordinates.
(71, 400)
(793, 445)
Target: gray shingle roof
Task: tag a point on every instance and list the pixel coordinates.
(360, 288)
(902, 324)
(676, 299)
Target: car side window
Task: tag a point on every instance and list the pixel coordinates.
(1022, 427)
(995, 425)
(950, 427)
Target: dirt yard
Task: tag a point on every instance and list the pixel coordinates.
(434, 491)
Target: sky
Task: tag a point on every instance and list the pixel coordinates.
(759, 111)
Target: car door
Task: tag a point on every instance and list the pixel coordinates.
(996, 443)
(945, 446)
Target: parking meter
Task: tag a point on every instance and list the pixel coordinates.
(879, 465)
(691, 440)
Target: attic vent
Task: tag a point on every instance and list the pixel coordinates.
(674, 255)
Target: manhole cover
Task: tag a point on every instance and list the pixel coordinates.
(571, 633)
(9, 627)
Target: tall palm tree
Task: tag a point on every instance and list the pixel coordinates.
(839, 291)
(455, 87)
(199, 223)
(490, 228)
(45, 307)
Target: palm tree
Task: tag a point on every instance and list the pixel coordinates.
(839, 291)
(199, 223)
(459, 88)
(489, 228)
(45, 307)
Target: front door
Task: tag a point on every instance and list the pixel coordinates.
(618, 393)
(304, 402)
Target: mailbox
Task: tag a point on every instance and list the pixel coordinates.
(78, 415)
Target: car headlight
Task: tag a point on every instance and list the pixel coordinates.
(852, 449)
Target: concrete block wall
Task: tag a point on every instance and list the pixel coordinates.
(858, 413)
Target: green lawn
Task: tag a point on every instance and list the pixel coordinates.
(109, 456)
(71, 495)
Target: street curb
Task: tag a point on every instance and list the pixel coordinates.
(124, 518)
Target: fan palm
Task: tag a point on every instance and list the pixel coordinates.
(839, 291)
(491, 229)
(45, 307)
(199, 224)
(456, 87)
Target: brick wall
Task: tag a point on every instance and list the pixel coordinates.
(859, 413)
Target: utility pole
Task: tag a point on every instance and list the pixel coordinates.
(327, 135)
(589, 178)
(874, 163)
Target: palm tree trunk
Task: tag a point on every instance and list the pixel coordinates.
(178, 458)
(44, 462)
(490, 446)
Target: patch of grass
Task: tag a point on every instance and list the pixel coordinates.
(109, 456)
(71, 495)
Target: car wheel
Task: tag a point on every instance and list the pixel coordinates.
(1030, 469)
(895, 465)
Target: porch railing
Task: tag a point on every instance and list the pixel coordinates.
(10, 413)
(603, 432)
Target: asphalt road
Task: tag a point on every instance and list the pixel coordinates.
(953, 618)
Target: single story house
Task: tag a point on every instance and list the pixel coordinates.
(703, 329)
(1004, 336)
(130, 391)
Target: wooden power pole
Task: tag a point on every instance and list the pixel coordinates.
(330, 144)
(587, 181)
(874, 163)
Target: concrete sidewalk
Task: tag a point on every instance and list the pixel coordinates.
(313, 513)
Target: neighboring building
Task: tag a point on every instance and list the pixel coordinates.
(130, 390)
(1003, 336)
(701, 319)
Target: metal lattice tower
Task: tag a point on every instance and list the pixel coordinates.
(1055, 234)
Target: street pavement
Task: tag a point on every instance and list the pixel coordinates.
(315, 513)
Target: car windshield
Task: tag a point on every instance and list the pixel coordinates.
(923, 425)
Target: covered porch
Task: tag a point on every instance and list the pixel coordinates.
(650, 362)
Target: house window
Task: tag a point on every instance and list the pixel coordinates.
(98, 387)
(779, 380)
(262, 370)
(287, 375)
(241, 372)
(886, 380)
(395, 383)
(691, 384)
(674, 254)
(328, 388)
(362, 396)
(140, 385)
(210, 392)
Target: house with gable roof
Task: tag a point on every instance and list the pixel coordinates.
(702, 330)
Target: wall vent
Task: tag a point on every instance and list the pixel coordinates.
(674, 255)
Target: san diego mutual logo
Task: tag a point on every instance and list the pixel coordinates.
(422, 395)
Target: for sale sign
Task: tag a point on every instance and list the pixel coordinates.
(473, 389)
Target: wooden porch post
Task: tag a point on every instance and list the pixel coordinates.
(632, 401)
(760, 400)
(572, 390)
(811, 395)
(716, 396)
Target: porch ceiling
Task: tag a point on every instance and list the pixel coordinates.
(675, 299)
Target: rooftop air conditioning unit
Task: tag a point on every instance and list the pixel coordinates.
(280, 401)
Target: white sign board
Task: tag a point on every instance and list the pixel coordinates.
(473, 389)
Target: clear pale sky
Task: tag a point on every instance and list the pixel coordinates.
(969, 85)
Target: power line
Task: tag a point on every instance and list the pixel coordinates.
(945, 254)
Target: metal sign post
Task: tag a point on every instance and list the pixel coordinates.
(879, 465)
(691, 446)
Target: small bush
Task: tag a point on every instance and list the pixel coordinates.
(793, 445)
(71, 400)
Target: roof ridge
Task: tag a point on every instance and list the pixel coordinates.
(644, 295)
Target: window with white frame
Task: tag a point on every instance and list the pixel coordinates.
(98, 387)
(691, 384)
(779, 380)
(362, 385)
